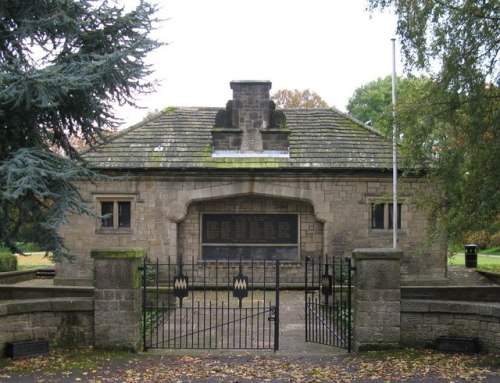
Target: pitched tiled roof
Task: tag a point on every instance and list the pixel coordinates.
(180, 138)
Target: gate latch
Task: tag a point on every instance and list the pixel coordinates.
(272, 311)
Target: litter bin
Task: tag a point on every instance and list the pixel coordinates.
(471, 255)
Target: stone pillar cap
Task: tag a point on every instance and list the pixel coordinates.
(251, 82)
(117, 253)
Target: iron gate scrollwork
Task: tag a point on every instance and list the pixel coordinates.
(211, 305)
(328, 311)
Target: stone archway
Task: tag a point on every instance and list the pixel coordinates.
(310, 236)
(178, 211)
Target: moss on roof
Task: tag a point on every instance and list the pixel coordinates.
(180, 138)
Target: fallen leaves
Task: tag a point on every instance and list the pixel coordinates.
(406, 365)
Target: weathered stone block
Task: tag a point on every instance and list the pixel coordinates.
(117, 320)
(377, 277)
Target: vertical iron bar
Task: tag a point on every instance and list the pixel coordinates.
(306, 291)
(170, 289)
(163, 323)
(263, 337)
(349, 310)
(144, 296)
(216, 301)
(277, 309)
(204, 301)
(252, 303)
(258, 321)
(157, 300)
(210, 325)
(192, 300)
(234, 327)
(228, 283)
(175, 324)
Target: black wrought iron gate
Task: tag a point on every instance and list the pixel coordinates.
(211, 305)
(328, 310)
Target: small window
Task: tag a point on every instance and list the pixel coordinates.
(391, 209)
(115, 214)
(377, 216)
(124, 214)
(382, 215)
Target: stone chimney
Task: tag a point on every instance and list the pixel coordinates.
(250, 124)
(251, 112)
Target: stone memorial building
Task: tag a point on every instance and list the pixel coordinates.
(248, 181)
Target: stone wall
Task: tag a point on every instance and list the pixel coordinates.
(422, 321)
(338, 208)
(377, 299)
(118, 298)
(65, 322)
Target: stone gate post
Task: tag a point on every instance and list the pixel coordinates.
(117, 298)
(377, 299)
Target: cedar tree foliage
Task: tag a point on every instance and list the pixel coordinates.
(451, 126)
(64, 65)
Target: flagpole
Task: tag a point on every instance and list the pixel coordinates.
(394, 152)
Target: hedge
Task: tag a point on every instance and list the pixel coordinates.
(8, 262)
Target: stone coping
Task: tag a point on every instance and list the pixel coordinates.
(24, 306)
(483, 293)
(383, 253)
(456, 307)
(11, 277)
(117, 253)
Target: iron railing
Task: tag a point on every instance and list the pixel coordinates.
(328, 305)
(211, 305)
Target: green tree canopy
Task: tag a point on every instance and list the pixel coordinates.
(64, 65)
(451, 127)
(372, 102)
(303, 99)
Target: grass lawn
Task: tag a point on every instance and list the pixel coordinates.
(490, 250)
(33, 261)
(484, 261)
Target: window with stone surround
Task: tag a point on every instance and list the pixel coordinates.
(382, 215)
(115, 214)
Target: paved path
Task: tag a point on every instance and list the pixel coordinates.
(292, 328)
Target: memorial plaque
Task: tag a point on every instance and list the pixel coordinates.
(250, 228)
(250, 236)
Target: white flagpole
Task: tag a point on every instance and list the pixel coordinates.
(394, 152)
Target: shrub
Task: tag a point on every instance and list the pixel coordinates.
(8, 262)
(495, 239)
(480, 238)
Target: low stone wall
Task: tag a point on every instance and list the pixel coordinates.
(452, 293)
(492, 276)
(18, 292)
(65, 322)
(422, 321)
(9, 277)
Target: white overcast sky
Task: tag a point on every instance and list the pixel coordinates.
(328, 46)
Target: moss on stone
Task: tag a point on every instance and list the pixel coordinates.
(207, 150)
(117, 253)
(248, 163)
(156, 159)
(169, 110)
